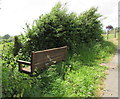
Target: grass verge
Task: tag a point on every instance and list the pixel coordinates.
(78, 76)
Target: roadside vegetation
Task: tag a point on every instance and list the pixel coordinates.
(112, 38)
(78, 76)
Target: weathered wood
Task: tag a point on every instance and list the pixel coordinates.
(24, 62)
(114, 33)
(107, 33)
(20, 67)
(47, 62)
(27, 69)
(20, 62)
(43, 59)
(53, 49)
(49, 57)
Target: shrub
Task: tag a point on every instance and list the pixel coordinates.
(90, 27)
(17, 45)
(59, 28)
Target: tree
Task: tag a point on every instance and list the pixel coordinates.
(59, 28)
(7, 36)
(109, 27)
(17, 45)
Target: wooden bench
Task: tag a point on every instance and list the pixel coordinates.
(43, 59)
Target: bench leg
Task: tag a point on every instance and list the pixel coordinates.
(20, 67)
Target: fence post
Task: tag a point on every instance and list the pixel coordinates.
(115, 33)
(107, 34)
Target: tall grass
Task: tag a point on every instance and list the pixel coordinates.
(111, 38)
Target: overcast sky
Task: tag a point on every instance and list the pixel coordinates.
(15, 13)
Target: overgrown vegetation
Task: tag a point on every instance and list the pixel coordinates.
(78, 76)
(17, 45)
(59, 28)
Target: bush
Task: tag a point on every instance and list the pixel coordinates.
(90, 27)
(17, 45)
(59, 28)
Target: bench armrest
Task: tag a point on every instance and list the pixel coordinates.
(22, 62)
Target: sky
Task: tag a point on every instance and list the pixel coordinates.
(15, 13)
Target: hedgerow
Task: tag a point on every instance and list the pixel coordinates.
(59, 28)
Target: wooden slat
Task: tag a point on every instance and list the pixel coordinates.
(39, 58)
(43, 54)
(49, 57)
(27, 69)
(44, 63)
(32, 62)
(57, 58)
(24, 62)
(53, 49)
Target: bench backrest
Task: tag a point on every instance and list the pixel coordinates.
(42, 59)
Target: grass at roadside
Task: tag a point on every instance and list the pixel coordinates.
(78, 76)
(111, 38)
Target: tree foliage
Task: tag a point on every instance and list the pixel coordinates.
(17, 45)
(7, 36)
(59, 28)
(109, 27)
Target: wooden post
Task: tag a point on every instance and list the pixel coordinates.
(32, 62)
(107, 34)
(115, 33)
(20, 67)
